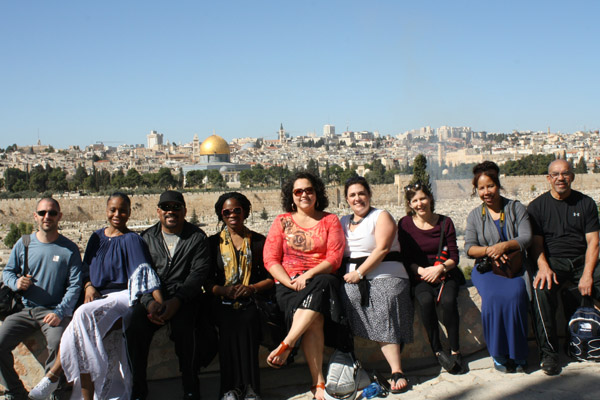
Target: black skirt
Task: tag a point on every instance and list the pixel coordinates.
(239, 339)
(320, 295)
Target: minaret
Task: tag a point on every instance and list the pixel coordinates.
(281, 134)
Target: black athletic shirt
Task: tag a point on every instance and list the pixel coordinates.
(564, 223)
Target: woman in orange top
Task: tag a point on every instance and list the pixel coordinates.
(303, 248)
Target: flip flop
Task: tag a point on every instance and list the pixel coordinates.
(396, 376)
(315, 387)
(283, 347)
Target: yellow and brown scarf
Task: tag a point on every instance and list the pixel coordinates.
(236, 272)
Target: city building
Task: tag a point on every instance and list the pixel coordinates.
(154, 139)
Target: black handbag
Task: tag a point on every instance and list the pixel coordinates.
(272, 322)
(10, 301)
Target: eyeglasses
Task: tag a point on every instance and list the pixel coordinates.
(309, 190)
(171, 207)
(227, 212)
(555, 175)
(414, 187)
(42, 213)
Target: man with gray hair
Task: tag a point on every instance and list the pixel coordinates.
(49, 290)
(565, 248)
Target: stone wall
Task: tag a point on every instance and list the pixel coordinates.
(162, 362)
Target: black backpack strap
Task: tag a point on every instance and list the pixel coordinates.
(26, 239)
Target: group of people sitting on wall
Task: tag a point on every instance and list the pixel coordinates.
(357, 274)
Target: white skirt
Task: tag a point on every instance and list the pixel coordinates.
(85, 347)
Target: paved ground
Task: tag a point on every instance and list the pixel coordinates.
(577, 381)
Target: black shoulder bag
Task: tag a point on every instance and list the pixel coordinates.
(10, 302)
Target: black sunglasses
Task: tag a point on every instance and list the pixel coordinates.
(414, 187)
(227, 212)
(42, 213)
(170, 207)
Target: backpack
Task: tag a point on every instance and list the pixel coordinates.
(345, 376)
(10, 302)
(584, 327)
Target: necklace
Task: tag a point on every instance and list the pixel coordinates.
(353, 222)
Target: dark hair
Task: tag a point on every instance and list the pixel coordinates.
(243, 200)
(51, 200)
(287, 200)
(122, 196)
(357, 180)
(489, 169)
(411, 190)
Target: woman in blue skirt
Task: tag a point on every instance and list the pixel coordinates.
(495, 229)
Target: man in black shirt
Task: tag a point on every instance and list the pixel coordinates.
(180, 257)
(565, 247)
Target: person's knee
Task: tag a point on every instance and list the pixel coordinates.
(449, 304)
(425, 300)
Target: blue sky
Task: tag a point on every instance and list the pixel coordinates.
(79, 72)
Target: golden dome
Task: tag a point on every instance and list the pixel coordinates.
(214, 144)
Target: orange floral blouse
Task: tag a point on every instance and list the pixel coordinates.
(298, 249)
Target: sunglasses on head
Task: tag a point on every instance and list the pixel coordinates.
(415, 186)
(170, 207)
(298, 192)
(42, 213)
(227, 212)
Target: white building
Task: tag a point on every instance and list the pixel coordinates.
(328, 131)
(154, 139)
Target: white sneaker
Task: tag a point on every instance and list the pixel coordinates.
(232, 395)
(43, 389)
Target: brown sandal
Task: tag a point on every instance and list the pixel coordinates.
(283, 347)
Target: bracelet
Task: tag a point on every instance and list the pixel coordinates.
(254, 289)
(87, 285)
(444, 268)
(360, 276)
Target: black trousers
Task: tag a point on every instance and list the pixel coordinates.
(545, 302)
(426, 295)
(182, 333)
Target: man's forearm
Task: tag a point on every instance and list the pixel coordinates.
(591, 259)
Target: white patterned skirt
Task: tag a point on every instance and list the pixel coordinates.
(85, 347)
(388, 316)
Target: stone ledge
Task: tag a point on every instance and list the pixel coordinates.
(162, 361)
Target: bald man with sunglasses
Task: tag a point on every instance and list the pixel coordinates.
(180, 256)
(49, 289)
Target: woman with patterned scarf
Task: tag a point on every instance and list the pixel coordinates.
(237, 254)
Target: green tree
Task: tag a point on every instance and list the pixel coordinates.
(246, 177)
(38, 177)
(133, 179)
(376, 173)
(57, 180)
(581, 167)
(420, 171)
(264, 215)
(16, 232)
(313, 167)
(180, 179)
(15, 180)
(535, 164)
(335, 174)
(79, 177)
(348, 173)
(117, 179)
(194, 218)
(215, 179)
(165, 179)
(195, 178)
